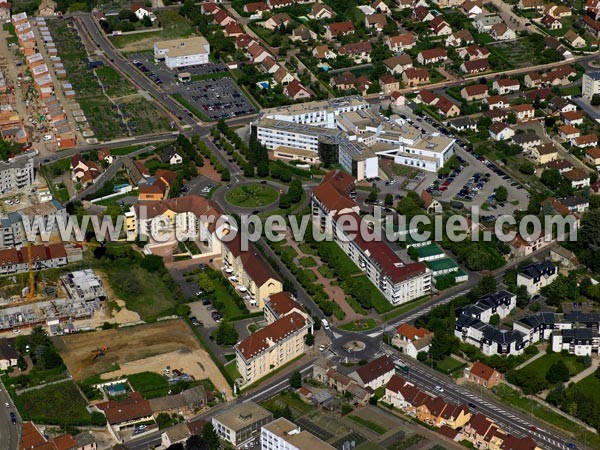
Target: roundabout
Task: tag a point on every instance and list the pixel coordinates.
(252, 196)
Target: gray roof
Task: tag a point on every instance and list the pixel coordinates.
(538, 269)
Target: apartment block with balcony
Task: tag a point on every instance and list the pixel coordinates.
(333, 210)
(16, 174)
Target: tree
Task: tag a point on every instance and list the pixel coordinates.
(226, 334)
(196, 443)
(309, 339)
(296, 380)
(225, 175)
(495, 320)
(210, 436)
(558, 372)
(501, 194)
(372, 198)
(527, 168)
(146, 21)
(389, 200)
(551, 178)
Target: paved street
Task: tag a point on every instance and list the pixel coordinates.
(9, 433)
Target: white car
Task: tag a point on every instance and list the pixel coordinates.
(322, 348)
(6, 405)
(48, 137)
(439, 389)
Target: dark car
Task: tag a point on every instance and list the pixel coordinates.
(472, 405)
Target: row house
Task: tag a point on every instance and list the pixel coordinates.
(558, 76)
(499, 303)
(489, 339)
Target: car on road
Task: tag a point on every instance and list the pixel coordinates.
(322, 348)
(472, 405)
(533, 428)
(6, 404)
(439, 388)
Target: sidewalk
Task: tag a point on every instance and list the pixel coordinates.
(587, 372)
(529, 361)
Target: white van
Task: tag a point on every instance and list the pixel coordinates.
(325, 324)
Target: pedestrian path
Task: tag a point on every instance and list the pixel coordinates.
(587, 372)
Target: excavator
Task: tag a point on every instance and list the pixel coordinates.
(99, 352)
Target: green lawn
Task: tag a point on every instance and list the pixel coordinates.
(449, 365)
(252, 196)
(379, 429)
(307, 249)
(225, 298)
(289, 399)
(59, 404)
(590, 385)
(541, 365)
(173, 26)
(359, 325)
(326, 272)
(142, 291)
(149, 384)
(308, 261)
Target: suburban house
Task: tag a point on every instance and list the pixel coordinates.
(523, 112)
(8, 353)
(501, 32)
(374, 374)
(431, 205)
(126, 412)
(432, 56)
(545, 153)
(415, 76)
(501, 131)
(402, 42)
(592, 156)
(537, 275)
(484, 375)
(337, 29)
(171, 156)
(579, 178)
(506, 86)
(412, 340)
(398, 64)
(460, 38)
(474, 92)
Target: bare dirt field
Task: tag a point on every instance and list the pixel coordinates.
(150, 347)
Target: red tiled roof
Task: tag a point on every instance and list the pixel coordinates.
(375, 369)
(119, 411)
(482, 371)
(65, 442)
(434, 53)
(410, 332)
(30, 437)
(275, 332)
(334, 189)
(282, 303)
(476, 89)
(340, 27)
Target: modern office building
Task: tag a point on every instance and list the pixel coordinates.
(241, 423)
(346, 131)
(281, 434)
(182, 52)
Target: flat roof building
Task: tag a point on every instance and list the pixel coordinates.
(241, 423)
(281, 434)
(182, 52)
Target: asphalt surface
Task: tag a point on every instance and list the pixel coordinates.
(514, 422)
(9, 433)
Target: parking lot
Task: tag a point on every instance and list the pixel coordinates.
(215, 98)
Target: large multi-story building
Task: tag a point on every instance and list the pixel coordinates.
(346, 131)
(332, 209)
(281, 434)
(272, 346)
(590, 84)
(16, 174)
(183, 52)
(241, 423)
(489, 339)
(500, 303)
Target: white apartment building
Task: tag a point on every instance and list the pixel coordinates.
(577, 341)
(487, 338)
(281, 434)
(537, 275)
(182, 52)
(332, 206)
(590, 84)
(241, 423)
(354, 136)
(16, 174)
(500, 303)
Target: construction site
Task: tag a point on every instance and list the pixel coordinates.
(75, 296)
(148, 347)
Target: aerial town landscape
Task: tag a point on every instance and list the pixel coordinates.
(300, 225)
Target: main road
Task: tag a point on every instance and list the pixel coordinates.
(9, 432)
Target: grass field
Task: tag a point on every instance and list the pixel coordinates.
(230, 308)
(308, 261)
(173, 26)
(590, 385)
(253, 196)
(231, 370)
(449, 365)
(541, 365)
(141, 290)
(67, 405)
(369, 424)
(359, 325)
(149, 384)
